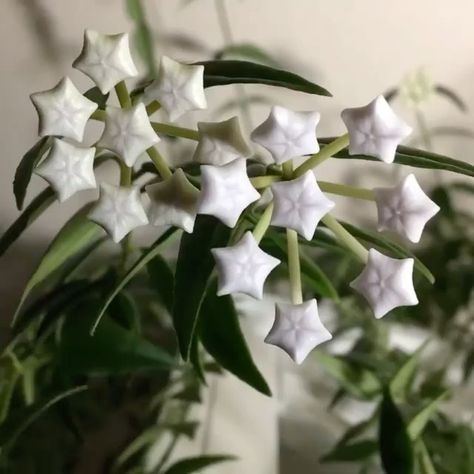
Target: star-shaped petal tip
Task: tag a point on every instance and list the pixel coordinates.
(226, 191)
(297, 329)
(375, 130)
(221, 142)
(119, 210)
(386, 283)
(299, 204)
(243, 268)
(179, 88)
(106, 59)
(287, 134)
(128, 132)
(404, 208)
(68, 169)
(173, 202)
(63, 110)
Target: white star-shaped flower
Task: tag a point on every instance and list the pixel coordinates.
(221, 142)
(128, 132)
(68, 169)
(179, 88)
(226, 191)
(375, 130)
(118, 210)
(106, 59)
(173, 202)
(297, 329)
(243, 268)
(63, 110)
(404, 208)
(287, 134)
(299, 204)
(386, 283)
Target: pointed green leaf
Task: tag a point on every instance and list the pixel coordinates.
(246, 51)
(25, 169)
(386, 244)
(223, 72)
(147, 256)
(162, 281)
(77, 234)
(359, 382)
(195, 464)
(221, 336)
(95, 94)
(403, 379)
(419, 421)
(193, 269)
(412, 157)
(395, 445)
(452, 96)
(111, 350)
(357, 451)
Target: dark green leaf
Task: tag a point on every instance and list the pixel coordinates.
(452, 96)
(76, 235)
(395, 445)
(419, 421)
(194, 464)
(96, 96)
(147, 256)
(246, 51)
(25, 169)
(357, 451)
(111, 350)
(39, 204)
(162, 281)
(359, 382)
(413, 157)
(385, 243)
(193, 269)
(221, 72)
(222, 337)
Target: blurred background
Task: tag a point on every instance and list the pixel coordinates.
(357, 50)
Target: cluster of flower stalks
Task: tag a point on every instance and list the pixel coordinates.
(298, 200)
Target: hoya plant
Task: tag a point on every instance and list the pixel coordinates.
(91, 323)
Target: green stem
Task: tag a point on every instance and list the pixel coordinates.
(294, 266)
(260, 182)
(153, 107)
(123, 95)
(287, 169)
(99, 115)
(173, 131)
(125, 175)
(346, 238)
(325, 153)
(346, 190)
(159, 162)
(262, 225)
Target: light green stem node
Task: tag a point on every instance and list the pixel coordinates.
(263, 223)
(159, 162)
(346, 238)
(294, 266)
(329, 150)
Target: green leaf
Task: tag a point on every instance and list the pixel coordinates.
(403, 379)
(452, 96)
(395, 445)
(77, 234)
(25, 169)
(358, 381)
(95, 94)
(357, 451)
(162, 281)
(147, 256)
(142, 34)
(193, 269)
(224, 72)
(194, 464)
(221, 336)
(39, 204)
(111, 350)
(412, 157)
(247, 51)
(384, 243)
(419, 421)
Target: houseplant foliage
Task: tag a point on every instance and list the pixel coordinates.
(87, 328)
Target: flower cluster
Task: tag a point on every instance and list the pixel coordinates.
(298, 203)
